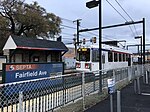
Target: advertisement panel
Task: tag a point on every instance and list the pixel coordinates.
(15, 72)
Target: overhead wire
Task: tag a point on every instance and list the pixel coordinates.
(120, 15)
(68, 26)
(82, 35)
(107, 37)
(68, 34)
(70, 21)
(126, 14)
(104, 36)
(90, 32)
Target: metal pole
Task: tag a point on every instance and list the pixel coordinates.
(146, 77)
(138, 85)
(111, 103)
(112, 26)
(141, 51)
(138, 50)
(143, 40)
(118, 101)
(83, 90)
(100, 47)
(78, 24)
(20, 101)
(135, 86)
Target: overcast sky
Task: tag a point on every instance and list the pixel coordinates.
(70, 10)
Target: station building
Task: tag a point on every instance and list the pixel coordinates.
(25, 50)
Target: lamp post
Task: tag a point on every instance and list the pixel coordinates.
(140, 37)
(143, 40)
(90, 5)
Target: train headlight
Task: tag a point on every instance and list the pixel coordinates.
(78, 65)
(87, 65)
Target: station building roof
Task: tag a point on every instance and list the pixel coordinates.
(15, 42)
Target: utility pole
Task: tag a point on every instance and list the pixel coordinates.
(78, 24)
(75, 44)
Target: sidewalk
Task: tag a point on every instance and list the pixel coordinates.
(130, 102)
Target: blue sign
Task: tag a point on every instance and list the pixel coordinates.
(111, 85)
(28, 71)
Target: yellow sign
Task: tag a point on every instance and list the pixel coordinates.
(84, 49)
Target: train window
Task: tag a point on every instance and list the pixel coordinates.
(110, 56)
(103, 58)
(127, 57)
(130, 56)
(120, 57)
(95, 55)
(124, 57)
(83, 54)
(115, 57)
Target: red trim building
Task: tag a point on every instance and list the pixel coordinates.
(23, 49)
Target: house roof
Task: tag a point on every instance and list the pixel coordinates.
(15, 42)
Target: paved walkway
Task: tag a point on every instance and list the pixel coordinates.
(130, 102)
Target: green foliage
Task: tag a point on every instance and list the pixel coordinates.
(28, 19)
(22, 19)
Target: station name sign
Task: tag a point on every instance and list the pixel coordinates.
(28, 71)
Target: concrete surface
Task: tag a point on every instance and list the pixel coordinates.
(130, 101)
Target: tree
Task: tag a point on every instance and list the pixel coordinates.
(32, 20)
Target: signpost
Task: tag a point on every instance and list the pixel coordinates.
(111, 85)
(111, 90)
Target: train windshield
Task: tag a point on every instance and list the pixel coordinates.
(83, 54)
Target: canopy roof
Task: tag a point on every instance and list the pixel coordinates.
(15, 42)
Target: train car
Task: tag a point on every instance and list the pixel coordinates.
(87, 58)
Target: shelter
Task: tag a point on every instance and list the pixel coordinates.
(24, 49)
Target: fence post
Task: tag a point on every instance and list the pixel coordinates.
(83, 90)
(94, 83)
(114, 77)
(20, 101)
(111, 103)
(138, 85)
(147, 77)
(118, 101)
(135, 86)
(129, 73)
(144, 74)
(64, 91)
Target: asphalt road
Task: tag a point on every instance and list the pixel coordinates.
(130, 102)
